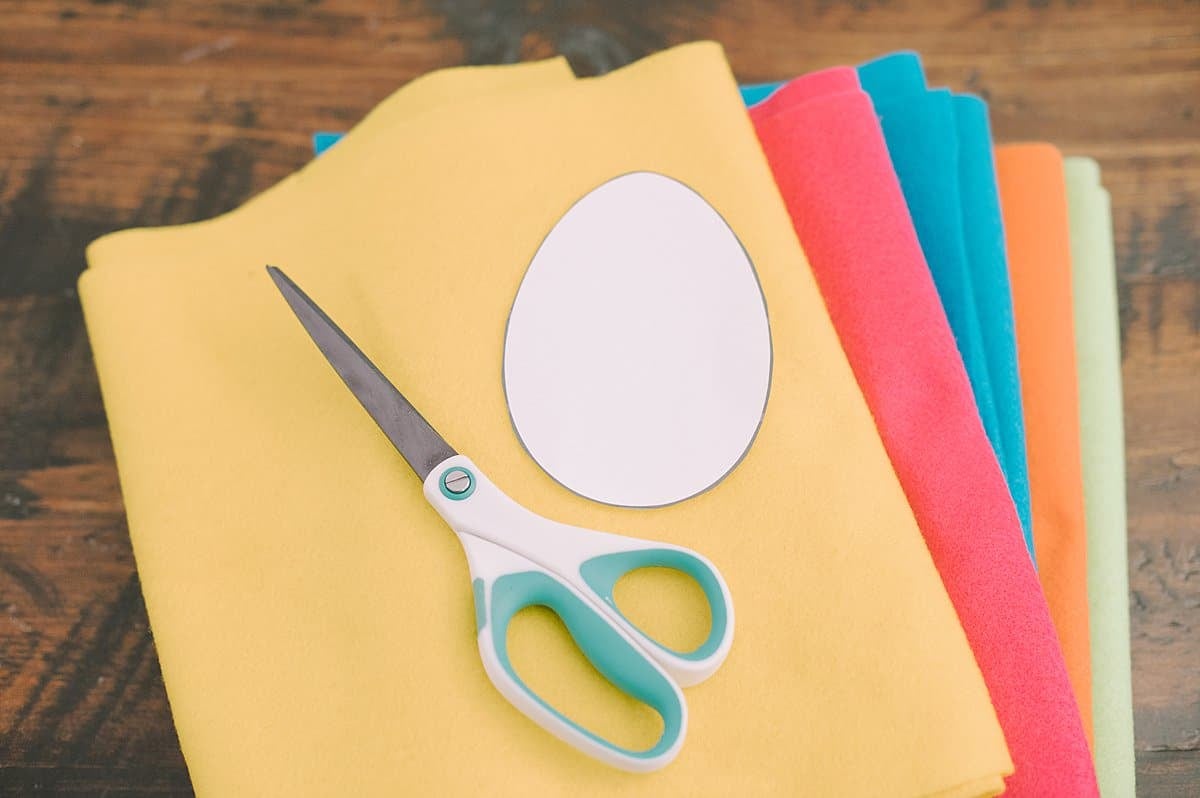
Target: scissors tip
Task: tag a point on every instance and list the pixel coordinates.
(282, 281)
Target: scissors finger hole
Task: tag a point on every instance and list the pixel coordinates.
(668, 605)
(547, 660)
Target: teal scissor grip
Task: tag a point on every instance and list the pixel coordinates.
(602, 573)
(610, 653)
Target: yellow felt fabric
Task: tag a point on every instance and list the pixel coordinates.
(313, 615)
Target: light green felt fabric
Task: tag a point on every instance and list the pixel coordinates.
(1102, 437)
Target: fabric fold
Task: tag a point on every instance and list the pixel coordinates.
(983, 234)
(1033, 194)
(1102, 451)
(831, 163)
(940, 147)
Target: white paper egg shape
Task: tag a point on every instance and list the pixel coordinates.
(637, 359)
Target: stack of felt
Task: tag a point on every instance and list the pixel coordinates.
(939, 609)
(313, 614)
(830, 159)
(1034, 194)
(1017, 273)
(1060, 244)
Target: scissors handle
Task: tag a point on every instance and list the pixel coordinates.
(520, 559)
(504, 584)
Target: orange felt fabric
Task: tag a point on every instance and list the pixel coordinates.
(1033, 197)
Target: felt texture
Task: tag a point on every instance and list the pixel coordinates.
(755, 93)
(323, 140)
(831, 163)
(313, 614)
(983, 233)
(1033, 195)
(1102, 450)
(940, 148)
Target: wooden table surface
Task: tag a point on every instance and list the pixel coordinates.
(117, 113)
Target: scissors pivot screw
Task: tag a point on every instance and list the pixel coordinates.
(457, 483)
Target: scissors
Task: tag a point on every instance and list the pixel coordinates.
(520, 559)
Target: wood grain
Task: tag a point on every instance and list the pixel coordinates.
(116, 113)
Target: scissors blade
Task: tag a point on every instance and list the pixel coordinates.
(406, 428)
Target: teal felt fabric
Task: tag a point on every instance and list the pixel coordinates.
(755, 93)
(983, 232)
(940, 147)
(324, 140)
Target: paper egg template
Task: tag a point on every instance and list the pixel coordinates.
(637, 359)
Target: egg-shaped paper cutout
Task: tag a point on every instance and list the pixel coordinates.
(637, 359)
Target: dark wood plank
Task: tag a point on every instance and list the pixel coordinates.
(1167, 774)
(109, 782)
(1162, 386)
(134, 112)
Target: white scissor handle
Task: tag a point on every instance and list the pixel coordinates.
(520, 559)
(504, 584)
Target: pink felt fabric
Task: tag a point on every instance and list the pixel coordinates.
(824, 143)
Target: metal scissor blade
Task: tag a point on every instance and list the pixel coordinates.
(408, 431)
